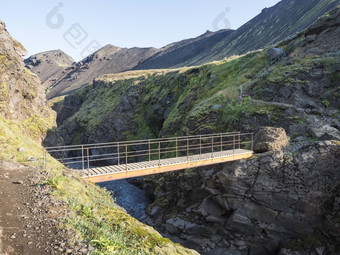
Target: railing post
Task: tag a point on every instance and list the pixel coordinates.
(239, 141)
(221, 142)
(88, 161)
(212, 147)
(82, 157)
(187, 149)
(234, 144)
(118, 156)
(149, 150)
(252, 141)
(126, 158)
(176, 147)
(200, 144)
(159, 154)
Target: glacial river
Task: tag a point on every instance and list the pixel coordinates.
(128, 196)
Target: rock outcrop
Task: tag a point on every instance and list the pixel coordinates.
(21, 95)
(274, 53)
(270, 139)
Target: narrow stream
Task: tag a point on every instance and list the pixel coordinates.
(128, 196)
(125, 194)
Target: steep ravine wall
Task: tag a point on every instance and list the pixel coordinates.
(255, 206)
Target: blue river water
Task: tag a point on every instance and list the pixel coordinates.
(126, 195)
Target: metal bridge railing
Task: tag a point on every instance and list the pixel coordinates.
(123, 153)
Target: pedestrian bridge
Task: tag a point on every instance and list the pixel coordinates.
(104, 162)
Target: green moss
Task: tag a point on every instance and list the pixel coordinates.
(25, 134)
(77, 138)
(326, 103)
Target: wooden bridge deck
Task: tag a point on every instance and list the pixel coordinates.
(116, 172)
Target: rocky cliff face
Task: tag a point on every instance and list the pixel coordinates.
(49, 65)
(21, 95)
(24, 114)
(255, 206)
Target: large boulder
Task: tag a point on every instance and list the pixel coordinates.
(270, 139)
(210, 207)
(274, 53)
(324, 132)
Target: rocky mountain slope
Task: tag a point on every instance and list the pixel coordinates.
(272, 25)
(49, 209)
(274, 203)
(180, 53)
(109, 59)
(49, 65)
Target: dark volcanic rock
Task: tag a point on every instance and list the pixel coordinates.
(274, 53)
(271, 198)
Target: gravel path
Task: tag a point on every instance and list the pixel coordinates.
(30, 218)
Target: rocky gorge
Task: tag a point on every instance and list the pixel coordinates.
(284, 200)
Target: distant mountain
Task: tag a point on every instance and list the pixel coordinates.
(109, 59)
(272, 25)
(49, 65)
(182, 51)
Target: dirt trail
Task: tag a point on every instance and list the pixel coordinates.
(29, 219)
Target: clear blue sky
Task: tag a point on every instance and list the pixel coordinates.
(124, 23)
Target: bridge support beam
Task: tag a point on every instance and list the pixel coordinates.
(164, 169)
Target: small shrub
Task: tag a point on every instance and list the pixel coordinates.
(326, 103)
